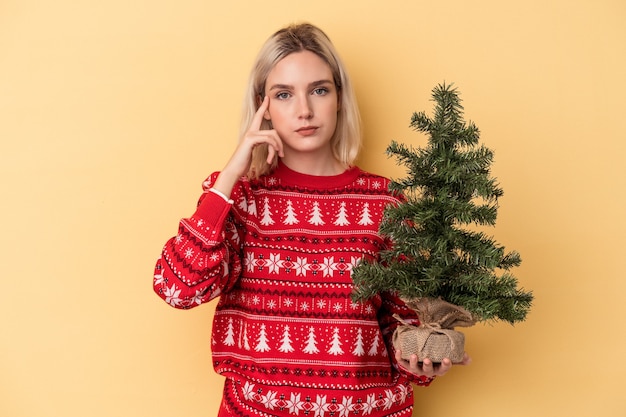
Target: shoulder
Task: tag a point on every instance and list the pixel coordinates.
(371, 182)
(376, 184)
(371, 176)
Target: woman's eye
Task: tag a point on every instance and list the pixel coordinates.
(320, 91)
(283, 96)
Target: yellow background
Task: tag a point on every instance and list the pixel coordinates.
(113, 112)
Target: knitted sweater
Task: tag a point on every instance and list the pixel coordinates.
(286, 334)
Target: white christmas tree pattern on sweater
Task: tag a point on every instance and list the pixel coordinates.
(286, 346)
(230, 333)
(342, 216)
(315, 213)
(262, 340)
(335, 345)
(366, 219)
(311, 344)
(283, 340)
(358, 344)
(266, 220)
(290, 214)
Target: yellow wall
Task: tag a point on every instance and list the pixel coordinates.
(112, 113)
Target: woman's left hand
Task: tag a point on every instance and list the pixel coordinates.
(427, 367)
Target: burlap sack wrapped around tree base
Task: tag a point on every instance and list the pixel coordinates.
(432, 343)
(435, 338)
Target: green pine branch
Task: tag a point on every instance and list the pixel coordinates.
(447, 187)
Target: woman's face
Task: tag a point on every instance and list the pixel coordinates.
(303, 104)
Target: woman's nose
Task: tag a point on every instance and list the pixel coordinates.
(305, 111)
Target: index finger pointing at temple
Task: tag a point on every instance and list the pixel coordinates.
(258, 116)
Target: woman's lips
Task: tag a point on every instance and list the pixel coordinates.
(307, 130)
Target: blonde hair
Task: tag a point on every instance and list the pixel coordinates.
(346, 140)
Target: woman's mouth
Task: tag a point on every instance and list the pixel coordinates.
(307, 130)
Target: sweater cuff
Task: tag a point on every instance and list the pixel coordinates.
(213, 210)
(422, 381)
(221, 194)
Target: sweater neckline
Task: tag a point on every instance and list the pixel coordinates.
(288, 176)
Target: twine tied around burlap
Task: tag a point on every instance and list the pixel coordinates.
(435, 338)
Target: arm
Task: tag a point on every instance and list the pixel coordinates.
(393, 305)
(203, 259)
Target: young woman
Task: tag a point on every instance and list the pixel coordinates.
(276, 234)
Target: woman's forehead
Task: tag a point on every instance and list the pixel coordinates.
(299, 68)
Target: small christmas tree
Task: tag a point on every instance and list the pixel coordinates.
(434, 252)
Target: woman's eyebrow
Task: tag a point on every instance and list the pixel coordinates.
(320, 82)
(281, 87)
(291, 87)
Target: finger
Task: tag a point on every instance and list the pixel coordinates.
(403, 363)
(271, 152)
(466, 359)
(444, 367)
(258, 116)
(274, 145)
(427, 367)
(279, 146)
(399, 358)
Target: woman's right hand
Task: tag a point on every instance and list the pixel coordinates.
(239, 163)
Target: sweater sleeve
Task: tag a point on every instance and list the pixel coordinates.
(391, 306)
(203, 260)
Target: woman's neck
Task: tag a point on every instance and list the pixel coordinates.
(315, 165)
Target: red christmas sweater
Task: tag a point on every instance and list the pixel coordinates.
(286, 334)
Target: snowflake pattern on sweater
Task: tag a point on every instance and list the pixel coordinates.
(286, 333)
